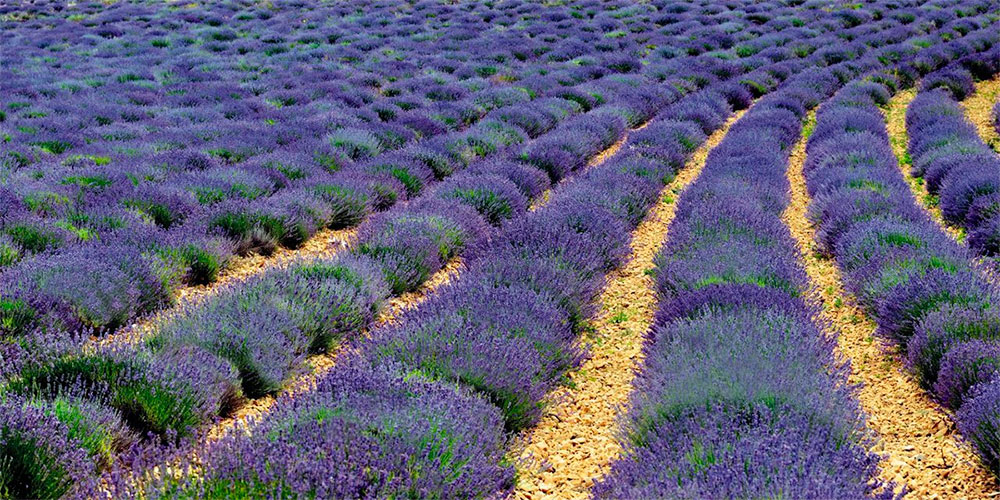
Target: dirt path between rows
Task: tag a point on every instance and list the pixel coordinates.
(979, 110)
(923, 451)
(895, 117)
(577, 439)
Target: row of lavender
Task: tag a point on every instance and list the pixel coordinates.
(423, 407)
(257, 363)
(251, 337)
(160, 222)
(471, 334)
(737, 366)
(996, 116)
(950, 156)
(920, 286)
(307, 330)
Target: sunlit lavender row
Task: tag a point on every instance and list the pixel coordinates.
(148, 149)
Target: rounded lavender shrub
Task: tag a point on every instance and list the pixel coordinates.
(627, 186)
(250, 229)
(955, 80)
(509, 266)
(495, 198)
(584, 236)
(531, 181)
(979, 422)
(36, 235)
(411, 172)
(560, 152)
(337, 297)
(996, 116)
(965, 366)
(837, 212)
(297, 215)
(169, 393)
(510, 344)
(94, 286)
(667, 141)
(985, 208)
(202, 256)
(958, 175)
(38, 458)
(973, 179)
(942, 329)
(164, 205)
(347, 200)
(265, 326)
(985, 238)
(99, 429)
(909, 289)
(877, 238)
(728, 297)
(410, 247)
(383, 435)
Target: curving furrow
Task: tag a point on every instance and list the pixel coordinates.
(960, 172)
(735, 364)
(574, 442)
(982, 109)
(921, 452)
(915, 282)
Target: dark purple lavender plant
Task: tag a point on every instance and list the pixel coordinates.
(38, 458)
(965, 366)
(508, 343)
(979, 422)
(384, 434)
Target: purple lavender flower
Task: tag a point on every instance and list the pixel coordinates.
(384, 434)
(40, 459)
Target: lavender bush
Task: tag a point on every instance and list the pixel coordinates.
(919, 285)
(948, 153)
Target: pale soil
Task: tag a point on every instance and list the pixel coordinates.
(979, 110)
(895, 116)
(577, 439)
(916, 436)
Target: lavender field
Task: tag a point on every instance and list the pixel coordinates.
(449, 249)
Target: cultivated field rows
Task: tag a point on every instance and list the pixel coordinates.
(607, 250)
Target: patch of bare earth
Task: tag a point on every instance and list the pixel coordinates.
(916, 436)
(895, 119)
(576, 440)
(979, 110)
